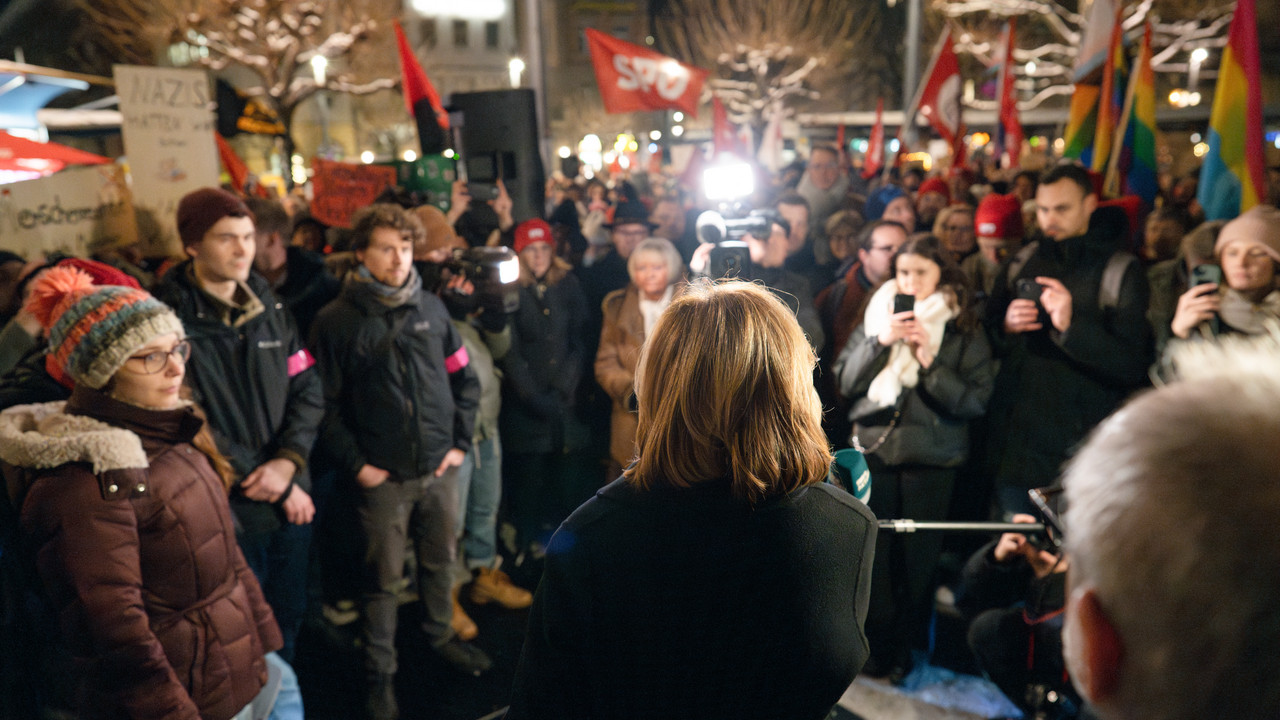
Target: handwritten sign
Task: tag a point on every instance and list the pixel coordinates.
(167, 121)
(342, 188)
(65, 211)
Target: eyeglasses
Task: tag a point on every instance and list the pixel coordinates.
(154, 362)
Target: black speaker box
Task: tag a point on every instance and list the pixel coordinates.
(496, 137)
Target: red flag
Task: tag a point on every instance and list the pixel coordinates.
(940, 97)
(874, 160)
(724, 138)
(421, 98)
(234, 166)
(1010, 126)
(634, 78)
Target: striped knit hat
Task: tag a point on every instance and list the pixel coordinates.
(93, 330)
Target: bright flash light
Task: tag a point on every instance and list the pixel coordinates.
(655, 135)
(449, 153)
(677, 131)
(894, 145)
(564, 151)
(728, 182)
(677, 116)
(509, 270)
(1200, 149)
(366, 157)
(410, 156)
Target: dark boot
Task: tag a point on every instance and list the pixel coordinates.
(380, 703)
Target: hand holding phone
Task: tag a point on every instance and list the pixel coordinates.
(1028, 289)
(902, 302)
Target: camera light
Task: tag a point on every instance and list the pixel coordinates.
(509, 270)
(728, 182)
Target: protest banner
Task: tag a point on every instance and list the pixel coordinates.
(65, 211)
(167, 121)
(342, 188)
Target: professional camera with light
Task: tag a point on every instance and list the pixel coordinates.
(493, 271)
(731, 256)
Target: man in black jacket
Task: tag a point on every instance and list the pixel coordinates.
(251, 374)
(402, 401)
(1068, 359)
(296, 275)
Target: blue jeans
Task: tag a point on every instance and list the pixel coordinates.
(479, 493)
(288, 701)
(279, 560)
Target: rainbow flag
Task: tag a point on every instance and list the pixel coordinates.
(1132, 170)
(1231, 179)
(1111, 99)
(1082, 121)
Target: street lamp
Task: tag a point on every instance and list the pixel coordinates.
(515, 66)
(319, 70)
(1198, 56)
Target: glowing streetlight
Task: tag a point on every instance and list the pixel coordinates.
(366, 157)
(515, 66)
(319, 68)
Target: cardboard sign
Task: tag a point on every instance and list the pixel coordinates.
(343, 188)
(167, 121)
(65, 211)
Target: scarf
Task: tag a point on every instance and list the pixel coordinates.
(393, 297)
(903, 370)
(651, 309)
(1247, 316)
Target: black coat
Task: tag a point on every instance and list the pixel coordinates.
(255, 382)
(544, 366)
(307, 288)
(1054, 387)
(933, 428)
(687, 603)
(398, 393)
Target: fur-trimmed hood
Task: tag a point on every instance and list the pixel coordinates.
(43, 436)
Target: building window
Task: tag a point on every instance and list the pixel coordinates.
(427, 32)
(460, 33)
(491, 35)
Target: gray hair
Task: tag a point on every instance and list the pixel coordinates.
(1171, 513)
(663, 248)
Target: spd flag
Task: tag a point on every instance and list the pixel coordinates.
(634, 78)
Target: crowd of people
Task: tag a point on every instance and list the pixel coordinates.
(969, 330)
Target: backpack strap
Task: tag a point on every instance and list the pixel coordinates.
(1112, 277)
(1019, 260)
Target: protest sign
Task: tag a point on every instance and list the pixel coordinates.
(65, 211)
(167, 121)
(342, 188)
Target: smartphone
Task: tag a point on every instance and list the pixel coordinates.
(483, 190)
(1049, 502)
(1028, 289)
(903, 302)
(1206, 274)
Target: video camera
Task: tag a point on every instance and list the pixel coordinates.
(493, 272)
(731, 256)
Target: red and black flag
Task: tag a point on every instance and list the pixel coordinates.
(422, 100)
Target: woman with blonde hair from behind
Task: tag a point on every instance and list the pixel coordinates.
(719, 577)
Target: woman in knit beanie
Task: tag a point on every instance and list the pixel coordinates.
(127, 517)
(1246, 299)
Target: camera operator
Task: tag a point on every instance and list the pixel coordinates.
(767, 258)
(1012, 591)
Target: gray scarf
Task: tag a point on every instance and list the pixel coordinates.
(362, 280)
(1249, 317)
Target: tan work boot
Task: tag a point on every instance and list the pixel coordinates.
(494, 586)
(463, 626)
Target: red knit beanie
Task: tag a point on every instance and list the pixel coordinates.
(998, 216)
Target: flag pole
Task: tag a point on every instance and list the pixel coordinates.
(909, 114)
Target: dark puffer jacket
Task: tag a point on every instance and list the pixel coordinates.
(933, 426)
(398, 382)
(133, 540)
